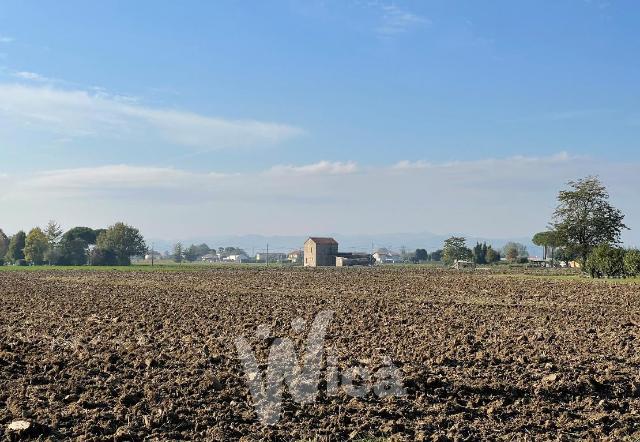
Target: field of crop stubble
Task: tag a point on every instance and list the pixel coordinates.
(132, 355)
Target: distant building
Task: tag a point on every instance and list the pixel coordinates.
(210, 257)
(320, 252)
(271, 257)
(353, 259)
(236, 258)
(296, 256)
(384, 256)
(460, 264)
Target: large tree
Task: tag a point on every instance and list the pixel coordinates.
(15, 251)
(36, 246)
(421, 255)
(492, 255)
(87, 234)
(53, 232)
(125, 241)
(178, 253)
(549, 241)
(4, 244)
(585, 218)
(455, 248)
(514, 251)
(480, 253)
(190, 253)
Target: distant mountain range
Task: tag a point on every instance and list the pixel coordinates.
(348, 243)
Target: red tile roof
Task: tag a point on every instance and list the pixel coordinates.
(318, 240)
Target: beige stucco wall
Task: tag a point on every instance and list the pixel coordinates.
(319, 254)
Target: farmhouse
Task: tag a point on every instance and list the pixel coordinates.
(320, 252)
(324, 252)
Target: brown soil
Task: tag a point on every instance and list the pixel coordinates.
(135, 355)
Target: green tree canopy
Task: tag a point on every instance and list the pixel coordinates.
(550, 238)
(584, 217)
(492, 256)
(201, 250)
(632, 262)
(480, 253)
(53, 232)
(605, 260)
(190, 253)
(421, 255)
(125, 241)
(4, 244)
(36, 246)
(455, 248)
(15, 251)
(87, 234)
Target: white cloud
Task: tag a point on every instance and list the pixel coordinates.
(508, 197)
(77, 113)
(396, 20)
(320, 168)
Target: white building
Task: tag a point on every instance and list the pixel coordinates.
(271, 256)
(384, 256)
(235, 258)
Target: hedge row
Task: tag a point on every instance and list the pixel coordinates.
(613, 262)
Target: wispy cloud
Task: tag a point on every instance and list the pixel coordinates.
(558, 158)
(577, 114)
(396, 20)
(79, 113)
(5, 39)
(32, 76)
(319, 168)
(121, 176)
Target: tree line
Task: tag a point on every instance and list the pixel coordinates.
(50, 245)
(455, 249)
(196, 251)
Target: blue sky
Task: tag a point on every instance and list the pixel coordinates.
(104, 103)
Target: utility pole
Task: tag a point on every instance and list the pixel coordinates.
(267, 254)
(152, 254)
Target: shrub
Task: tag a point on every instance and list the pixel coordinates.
(632, 262)
(607, 261)
(21, 262)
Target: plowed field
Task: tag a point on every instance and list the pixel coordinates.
(151, 355)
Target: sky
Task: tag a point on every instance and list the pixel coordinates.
(199, 118)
